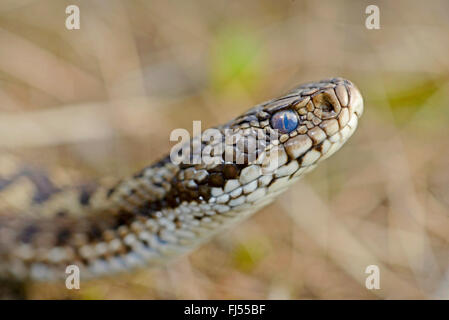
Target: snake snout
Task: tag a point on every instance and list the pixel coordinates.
(356, 100)
(330, 103)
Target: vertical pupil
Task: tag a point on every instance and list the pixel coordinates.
(286, 124)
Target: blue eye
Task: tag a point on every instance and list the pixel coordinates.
(285, 121)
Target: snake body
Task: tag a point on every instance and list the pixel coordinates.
(168, 209)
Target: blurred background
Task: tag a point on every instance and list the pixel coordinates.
(102, 100)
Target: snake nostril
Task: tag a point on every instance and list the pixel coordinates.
(327, 107)
(328, 103)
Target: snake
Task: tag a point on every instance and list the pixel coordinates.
(174, 205)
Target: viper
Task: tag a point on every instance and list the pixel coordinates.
(171, 207)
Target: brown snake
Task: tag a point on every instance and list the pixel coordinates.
(168, 209)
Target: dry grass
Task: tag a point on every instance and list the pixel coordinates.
(104, 98)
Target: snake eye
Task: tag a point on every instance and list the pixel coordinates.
(285, 121)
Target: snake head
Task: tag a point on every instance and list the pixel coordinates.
(303, 127)
(271, 145)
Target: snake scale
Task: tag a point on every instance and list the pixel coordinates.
(168, 209)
